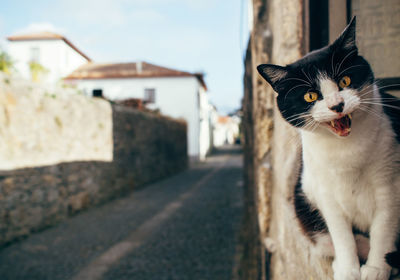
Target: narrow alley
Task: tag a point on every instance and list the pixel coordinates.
(184, 227)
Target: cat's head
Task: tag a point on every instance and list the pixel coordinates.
(322, 89)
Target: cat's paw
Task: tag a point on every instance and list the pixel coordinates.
(345, 272)
(374, 273)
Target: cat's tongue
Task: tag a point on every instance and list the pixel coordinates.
(342, 126)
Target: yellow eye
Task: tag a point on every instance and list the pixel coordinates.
(344, 82)
(310, 96)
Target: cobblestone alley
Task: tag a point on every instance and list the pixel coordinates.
(184, 227)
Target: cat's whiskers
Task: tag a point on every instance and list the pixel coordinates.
(353, 101)
(371, 111)
(382, 98)
(309, 125)
(295, 119)
(381, 104)
(366, 88)
(376, 83)
(297, 79)
(341, 171)
(296, 140)
(378, 88)
(314, 126)
(298, 116)
(302, 123)
(302, 85)
(333, 70)
(340, 65)
(353, 66)
(307, 77)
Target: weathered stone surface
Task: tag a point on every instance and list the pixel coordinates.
(152, 148)
(272, 152)
(379, 38)
(39, 125)
(78, 202)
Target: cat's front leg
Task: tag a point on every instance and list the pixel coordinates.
(346, 265)
(383, 233)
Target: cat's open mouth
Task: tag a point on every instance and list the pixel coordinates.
(341, 126)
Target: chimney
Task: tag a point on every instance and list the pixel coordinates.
(139, 67)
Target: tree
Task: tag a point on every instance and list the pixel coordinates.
(37, 71)
(6, 64)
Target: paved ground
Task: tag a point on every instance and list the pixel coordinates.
(184, 227)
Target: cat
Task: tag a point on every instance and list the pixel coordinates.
(347, 199)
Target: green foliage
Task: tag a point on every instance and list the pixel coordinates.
(6, 64)
(37, 70)
(51, 95)
(58, 121)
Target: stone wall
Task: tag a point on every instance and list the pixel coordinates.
(43, 125)
(146, 148)
(272, 152)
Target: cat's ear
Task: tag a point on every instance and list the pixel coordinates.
(347, 40)
(272, 73)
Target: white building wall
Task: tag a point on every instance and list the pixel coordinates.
(177, 97)
(205, 138)
(55, 55)
(226, 133)
(71, 60)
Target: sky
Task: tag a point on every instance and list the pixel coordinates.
(207, 36)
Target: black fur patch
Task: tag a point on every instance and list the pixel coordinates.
(309, 217)
(393, 259)
(391, 107)
(291, 82)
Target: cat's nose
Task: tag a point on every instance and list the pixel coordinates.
(335, 102)
(338, 108)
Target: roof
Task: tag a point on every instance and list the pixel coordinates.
(224, 119)
(45, 35)
(128, 70)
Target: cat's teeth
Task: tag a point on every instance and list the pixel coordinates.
(332, 124)
(350, 116)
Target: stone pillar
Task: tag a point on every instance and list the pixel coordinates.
(272, 148)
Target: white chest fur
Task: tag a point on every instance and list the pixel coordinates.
(356, 173)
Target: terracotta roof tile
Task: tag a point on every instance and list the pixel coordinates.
(46, 36)
(223, 119)
(128, 70)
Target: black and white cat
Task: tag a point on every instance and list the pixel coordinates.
(350, 181)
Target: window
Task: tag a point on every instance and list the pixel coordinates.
(97, 93)
(150, 95)
(35, 54)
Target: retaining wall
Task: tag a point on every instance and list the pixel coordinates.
(145, 148)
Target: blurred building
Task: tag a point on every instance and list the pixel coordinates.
(50, 58)
(174, 93)
(226, 130)
(44, 53)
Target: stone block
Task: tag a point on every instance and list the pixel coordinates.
(78, 202)
(7, 185)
